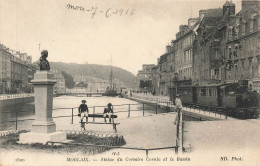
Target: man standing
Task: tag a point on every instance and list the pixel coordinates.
(178, 103)
(83, 111)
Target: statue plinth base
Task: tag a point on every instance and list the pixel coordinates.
(29, 138)
(43, 127)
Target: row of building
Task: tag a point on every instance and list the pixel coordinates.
(219, 46)
(94, 84)
(16, 71)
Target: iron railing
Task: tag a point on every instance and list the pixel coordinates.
(74, 112)
(118, 147)
(13, 96)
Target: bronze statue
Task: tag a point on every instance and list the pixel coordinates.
(43, 62)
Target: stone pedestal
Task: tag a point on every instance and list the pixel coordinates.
(43, 127)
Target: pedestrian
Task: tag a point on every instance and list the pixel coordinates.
(108, 112)
(178, 103)
(83, 111)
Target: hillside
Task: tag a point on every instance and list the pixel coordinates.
(99, 71)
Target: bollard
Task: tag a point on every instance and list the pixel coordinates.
(143, 109)
(146, 152)
(71, 115)
(15, 120)
(176, 149)
(156, 108)
(128, 110)
(93, 113)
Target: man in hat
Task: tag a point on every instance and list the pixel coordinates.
(43, 62)
(178, 102)
(108, 112)
(83, 111)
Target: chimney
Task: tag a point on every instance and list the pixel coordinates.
(183, 28)
(192, 21)
(202, 14)
(229, 8)
(168, 49)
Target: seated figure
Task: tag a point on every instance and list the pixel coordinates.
(108, 112)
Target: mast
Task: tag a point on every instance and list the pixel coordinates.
(111, 77)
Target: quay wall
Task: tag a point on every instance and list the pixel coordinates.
(172, 108)
(15, 101)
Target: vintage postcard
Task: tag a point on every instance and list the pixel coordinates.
(129, 82)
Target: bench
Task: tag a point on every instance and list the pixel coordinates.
(100, 116)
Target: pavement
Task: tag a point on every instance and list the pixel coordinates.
(222, 135)
(150, 131)
(137, 131)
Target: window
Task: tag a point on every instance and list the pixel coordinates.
(203, 92)
(251, 26)
(235, 69)
(243, 28)
(210, 92)
(230, 33)
(250, 67)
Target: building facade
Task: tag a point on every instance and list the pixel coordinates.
(5, 66)
(16, 71)
(59, 87)
(218, 47)
(206, 53)
(241, 46)
(183, 47)
(144, 75)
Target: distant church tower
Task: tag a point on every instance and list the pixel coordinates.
(229, 7)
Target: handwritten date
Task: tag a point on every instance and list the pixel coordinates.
(108, 13)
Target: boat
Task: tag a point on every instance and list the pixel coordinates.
(111, 90)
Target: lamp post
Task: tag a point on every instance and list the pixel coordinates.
(175, 76)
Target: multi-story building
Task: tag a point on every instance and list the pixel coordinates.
(59, 87)
(183, 48)
(144, 75)
(19, 74)
(5, 69)
(155, 79)
(166, 69)
(93, 84)
(241, 46)
(218, 47)
(16, 71)
(206, 53)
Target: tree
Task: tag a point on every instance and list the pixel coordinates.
(145, 84)
(69, 82)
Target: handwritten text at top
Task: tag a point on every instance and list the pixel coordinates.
(109, 12)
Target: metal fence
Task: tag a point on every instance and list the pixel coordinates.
(100, 147)
(128, 109)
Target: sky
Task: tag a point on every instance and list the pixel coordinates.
(134, 35)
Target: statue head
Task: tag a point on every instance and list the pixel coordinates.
(43, 62)
(44, 54)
